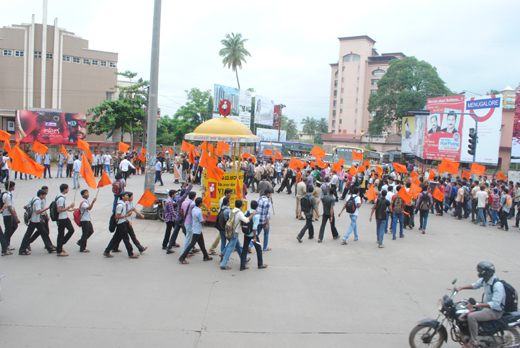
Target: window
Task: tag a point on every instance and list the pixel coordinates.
(333, 123)
(336, 83)
(335, 93)
(18, 53)
(342, 79)
(49, 55)
(510, 100)
(378, 72)
(341, 101)
(333, 112)
(342, 90)
(340, 111)
(352, 57)
(357, 90)
(103, 63)
(356, 100)
(343, 69)
(113, 64)
(109, 96)
(333, 131)
(86, 61)
(8, 52)
(37, 55)
(355, 121)
(66, 58)
(336, 74)
(358, 79)
(75, 60)
(374, 82)
(509, 106)
(334, 103)
(95, 62)
(340, 121)
(372, 91)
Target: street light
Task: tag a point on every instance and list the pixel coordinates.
(280, 125)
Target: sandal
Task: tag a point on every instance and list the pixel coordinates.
(184, 262)
(213, 253)
(169, 252)
(108, 255)
(134, 256)
(85, 251)
(176, 245)
(225, 268)
(143, 250)
(263, 266)
(268, 249)
(24, 253)
(7, 253)
(244, 268)
(208, 259)
(63, 254)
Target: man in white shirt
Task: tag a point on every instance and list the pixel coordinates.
(106, 160)
(11, 219)
(335, 181)
(70, 164)
(125, 167)
(121, 232)
(61, 161)
(76, 168)
(353, 216)
(389, 216)
(47, 165)
(482, 198)
(63, 220)
(94, 163)
(85, 221)
(36, 224)
(5, 169)
(158, 171)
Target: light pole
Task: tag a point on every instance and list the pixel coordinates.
(280, 126)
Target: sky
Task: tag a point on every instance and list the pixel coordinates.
(474, 45)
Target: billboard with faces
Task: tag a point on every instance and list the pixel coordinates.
(49, 127)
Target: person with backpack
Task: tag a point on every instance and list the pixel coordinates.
(328, 214)
(492, 308)
(170, 216)
(220, 227)
(179, 218)
(4, 168)
(35, 206)
(84, 220)
(130, 208)
(409, 210)
(186, 208)
(397, 209)
(424, 202)
(197, 220)
(308, 204)
(44, 217)
(249, 231)
(63, 220)
(503, 211)
(233, 226)
(118, 188)
(380, 207)
(121, 232)
(352, 206)
(11, 219)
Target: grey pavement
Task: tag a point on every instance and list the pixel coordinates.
(311, 295)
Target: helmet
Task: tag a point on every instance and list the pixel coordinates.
(485, 268)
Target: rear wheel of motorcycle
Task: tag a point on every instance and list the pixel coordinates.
(511, 338)
(423, 336)
(160, 213)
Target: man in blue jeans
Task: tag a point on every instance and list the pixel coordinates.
(397, 209)
(353, 216)
(234, 243)
(380, 208)
(263, 209)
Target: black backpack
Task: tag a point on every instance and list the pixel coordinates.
(381, 209)
(247, 227)
(220, 222)
(351, 204)
(28, 212)
(306, 203)
(112, 224)
(424, 204)
(511, 304)
(53, 208)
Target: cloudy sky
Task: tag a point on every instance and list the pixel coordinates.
(475, 44)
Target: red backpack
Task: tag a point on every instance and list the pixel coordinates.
(77, 215)
(117, 188)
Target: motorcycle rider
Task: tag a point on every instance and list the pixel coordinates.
(494, 301)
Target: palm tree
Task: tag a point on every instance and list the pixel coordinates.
(309, 125)
(234, 52)
(323, 125)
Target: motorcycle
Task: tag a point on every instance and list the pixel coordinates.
(158, 205)
(499, 333)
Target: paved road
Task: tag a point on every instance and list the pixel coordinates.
(311, 295)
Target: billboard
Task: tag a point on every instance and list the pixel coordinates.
(407, 135)
(515, 145)
(240, 103)
(277, 116)
(50, 127)
(266, 134)
(418, 139)
(264, 111)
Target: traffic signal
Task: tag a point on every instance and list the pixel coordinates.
(472, 142)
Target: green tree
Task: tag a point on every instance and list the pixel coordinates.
(310, 125)
(234, 52)
(405, 86)
(126, 113)
(289, 126)
(493, 92)
(369, 146)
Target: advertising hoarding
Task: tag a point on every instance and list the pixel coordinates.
(418, 140)
(407, 135)
(266, 134)
(264, 111)
(240, 103)
(515, 145)
(277, 116)
(50, 127)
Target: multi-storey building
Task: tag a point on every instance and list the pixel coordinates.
(509, 97)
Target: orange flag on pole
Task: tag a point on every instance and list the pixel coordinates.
(207, 200)
(449, 166)
(222, 147)
(356, 156)
(437, 194)
(185, 146)
(371, 193)
(404, 195)
(143, 151)
(207, 147)
(123, 147)
(400, 168)
(4, 136)
(268, 152)
(238, 189)
(176, 173)
(7, 146)
(317, 152)
(104, 181)
(432, 175)
(466, 174)
(83, 145)
(206, 160)
(64, 151)
(379, 169)
(413, 174)
(336, 167)
(416, 181)
(501, 176)
(415, 190)
(477, 169)
(86, 173)
(367, 164)
(142, 158)
(352, 170)
(278, 156)
(191, 157)
(147, 199)
(23, 164)
(39, 148)
(215, 172)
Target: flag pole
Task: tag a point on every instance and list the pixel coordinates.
(97, 193)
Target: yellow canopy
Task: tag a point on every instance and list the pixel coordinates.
(223, 129)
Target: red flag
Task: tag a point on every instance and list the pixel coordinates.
(104, 181)
(268, 152)
(83, 145)
(404, 195)
(147, 199)
(123, 147)
(437, 194)
(238, 189)
(39, 148)
(356, 156)
(501, 176)
(86, 173)
(400, 168)
(278, 156)
(466, 174)
(23, 164)
(318, 152)
(477, 169)
(371, 193)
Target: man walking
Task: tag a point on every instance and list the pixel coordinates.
(328, 214)
(380, 208)
(106, 160)
(234, 243)
(36, 224)
(121, 232)
(353, 216)
(301, 189)
(125, 166)
(70, 164)
(47, 165)
(63, 220)
(252, 236)
(11, 219)
(85, 221)
(77, 168)
(264, 209)
(397, 209)
(482, 198)
(308, 204)
(197, 221)
(61, 161)
(158, 171)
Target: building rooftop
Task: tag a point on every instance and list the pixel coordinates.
(361, 37)
(340, 136)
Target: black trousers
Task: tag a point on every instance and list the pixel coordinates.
(169, 226)
(438, 206)
(346, 190)
(408, 218)
(175, 234)
(335, 190)
(62, 237)
(459, 209)
(333, 229)
(121, 233)
(87, 230)
(10, 227)
(285, 184)
(308, 226)
(196, 239)
(258, 248)
(45, 222)
(40, 231)
(133, 237)
(474, 210)
(69, 170)
(503, 219)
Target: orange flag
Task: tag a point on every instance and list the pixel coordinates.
(379, 169)
(449, 166)
(191, 157)
(278, 156)
(123, 147)
(207, 147)
(416, 181)
(466, 174)
(400, 168)
(171, 152)
(7, 146)
(437, 194)
(215, 172)
(39, 148)
(501, 176)
(142, 158)
(64, 151)
(83, 145)
(104, 181)
(23, 164)
(367, 164)
(238, 189)
(356, 156)
(206, 160)
(185, 146)
(371, 194)
(432, 175)
(147, 199)
(313, 164)
(415, 190)
(222, 147)
(86, 173)
(341, 161)
(440, 169)
(404, 195)
(318, 152)
(176, 173)
(361, 169)
(293, 164)
(196, 152)
(413, 174)
(143, 151)
(321, 164)
(352, 170)
(336, 167)
(477, 169)
(207, 200)
(268, 152)
(253, 159)
(246, 155)
(4, 136)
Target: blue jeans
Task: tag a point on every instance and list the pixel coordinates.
(233, 243)
(494, 216)
(480, 216)
(46, 169)
(107, 169)
(395, 219)
(76, 180)
(341, 182)
(423, 219)
(223, 241)
(189, 235)
(380, 230)
(260, 228)
(278, 176)
(353, 227)
(158, 176)
(115, 203)
(60, 171)
(389, 220)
